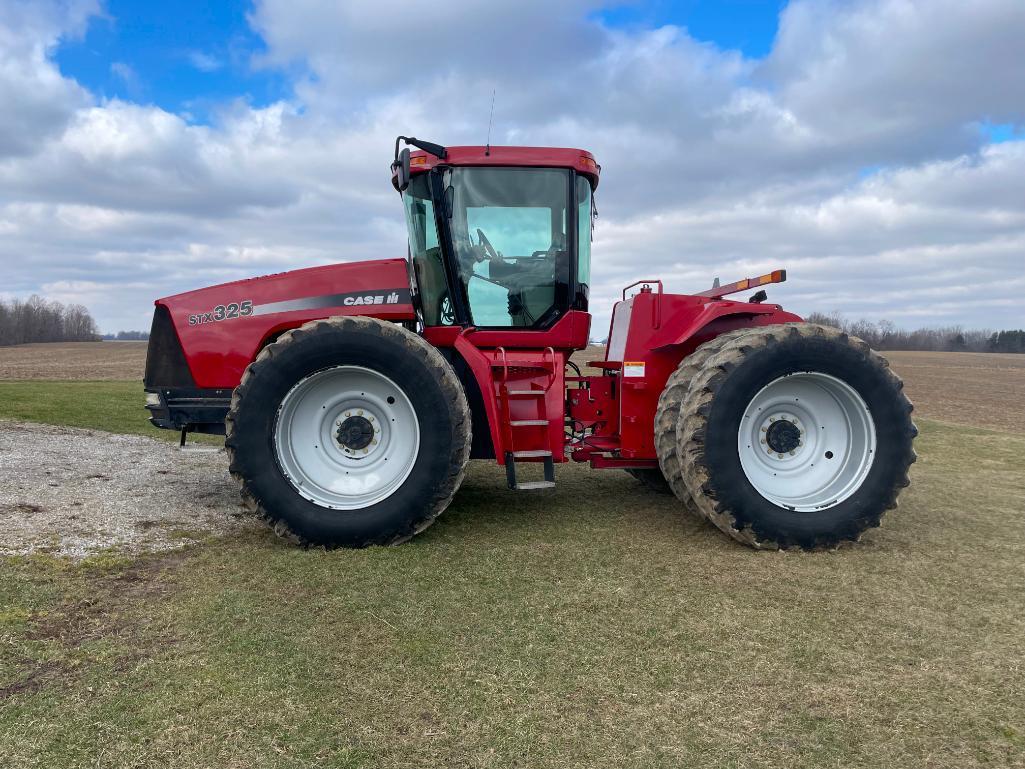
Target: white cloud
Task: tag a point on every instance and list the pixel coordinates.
(713, 164)
(36, 101)
(204, 62)
(125, 73)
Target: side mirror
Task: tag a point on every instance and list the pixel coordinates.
(401, 166)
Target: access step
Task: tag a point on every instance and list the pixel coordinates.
(532, 485)
(527, 422)
(549, 469)
(525, 393)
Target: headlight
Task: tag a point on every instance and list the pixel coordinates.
(153, 399)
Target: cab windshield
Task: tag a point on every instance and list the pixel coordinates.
(510, 234)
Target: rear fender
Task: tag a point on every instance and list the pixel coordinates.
(718, 317)
(651, 333)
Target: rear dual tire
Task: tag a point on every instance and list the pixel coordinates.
(794, 435)
(348, 432)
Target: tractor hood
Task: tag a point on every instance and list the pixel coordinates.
(220, 329)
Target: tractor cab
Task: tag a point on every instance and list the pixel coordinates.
(499, 237)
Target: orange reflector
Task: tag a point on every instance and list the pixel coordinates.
(419, 160)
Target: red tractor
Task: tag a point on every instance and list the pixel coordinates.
(352, 396)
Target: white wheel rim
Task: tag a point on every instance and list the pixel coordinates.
(320, 430)
(834, 435)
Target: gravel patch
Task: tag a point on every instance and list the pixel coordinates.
(76, 492)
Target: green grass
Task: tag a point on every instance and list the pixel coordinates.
(117, 407)
(595, 626)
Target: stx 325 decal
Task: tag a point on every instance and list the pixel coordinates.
(223, 312)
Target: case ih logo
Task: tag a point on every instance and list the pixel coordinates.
(392, 298)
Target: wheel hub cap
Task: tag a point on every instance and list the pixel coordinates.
(783, 436)
(355, 433)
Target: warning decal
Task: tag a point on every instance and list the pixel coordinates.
(633, 368)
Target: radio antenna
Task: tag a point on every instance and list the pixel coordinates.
(491, 118)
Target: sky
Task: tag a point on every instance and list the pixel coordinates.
(873, 148)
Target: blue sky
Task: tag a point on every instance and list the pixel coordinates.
(748, 26)
(185, 56)
(191, 56)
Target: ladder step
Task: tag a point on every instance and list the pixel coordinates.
(549, 469)
(525, 393)
(526, 422)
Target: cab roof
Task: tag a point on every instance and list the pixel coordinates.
(581, 161)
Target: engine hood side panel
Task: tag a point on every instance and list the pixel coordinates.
(222, 328)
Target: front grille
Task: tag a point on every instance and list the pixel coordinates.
(165, 360)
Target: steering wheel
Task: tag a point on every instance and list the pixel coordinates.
(488, 248)
(446, 312)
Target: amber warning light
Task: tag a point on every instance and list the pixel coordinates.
(776, 276)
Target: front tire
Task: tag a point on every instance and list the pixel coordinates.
(794, 435)
(349, 432)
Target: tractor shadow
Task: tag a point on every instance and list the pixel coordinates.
(583, 500)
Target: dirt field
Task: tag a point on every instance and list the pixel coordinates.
(83, 361)
(980, 389)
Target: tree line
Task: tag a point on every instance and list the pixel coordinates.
(127, 336)
(884, 335)
(39, 320)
